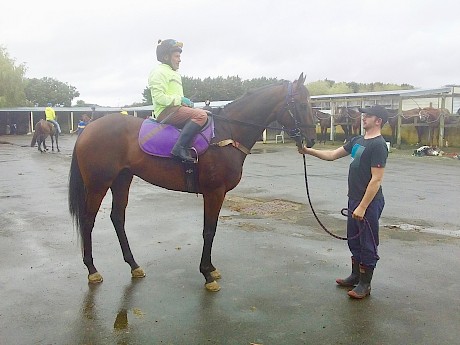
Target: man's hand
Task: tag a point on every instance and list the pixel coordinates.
(359, 212)
(302, 149)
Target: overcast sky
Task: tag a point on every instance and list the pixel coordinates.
(106, 49)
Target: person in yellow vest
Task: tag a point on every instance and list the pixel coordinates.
(169, 104)
(51, 117)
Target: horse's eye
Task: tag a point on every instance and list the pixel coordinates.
(303, 106)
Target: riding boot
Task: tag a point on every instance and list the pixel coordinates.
(181, 148)
(353, 278)
(363, 289)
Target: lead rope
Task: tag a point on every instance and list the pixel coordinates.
(344, 211)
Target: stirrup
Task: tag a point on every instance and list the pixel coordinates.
(185, 159)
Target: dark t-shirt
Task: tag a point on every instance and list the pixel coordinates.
(365, 154)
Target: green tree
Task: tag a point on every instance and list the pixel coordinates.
(44, 90)
(320, 87)
(338, 88)
(147, 97)
(12, 81)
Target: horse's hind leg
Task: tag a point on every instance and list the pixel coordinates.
(93, 203)
(120, 191)
(212, 205)
(57, 141)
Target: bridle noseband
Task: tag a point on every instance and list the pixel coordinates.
(291, 107)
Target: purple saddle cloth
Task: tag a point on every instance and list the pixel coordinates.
(158, 139)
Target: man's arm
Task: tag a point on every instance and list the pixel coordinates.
(371, 191)
(327, 155)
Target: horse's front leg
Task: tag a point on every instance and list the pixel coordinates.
(52, 143)
(120, 190)
(212, 205)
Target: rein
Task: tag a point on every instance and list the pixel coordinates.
(290, 106)
(250, 124)
(344, 211)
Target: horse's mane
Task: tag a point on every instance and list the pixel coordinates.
(319, 114)
(251, 92)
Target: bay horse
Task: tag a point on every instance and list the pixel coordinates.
(407, 117)
(107, 156)
(324, 120)
(350, 121)
(432, 116)
(43, 129)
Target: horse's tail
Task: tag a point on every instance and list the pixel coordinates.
(34, 138)
(77, 194)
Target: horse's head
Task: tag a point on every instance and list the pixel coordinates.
(297, 115)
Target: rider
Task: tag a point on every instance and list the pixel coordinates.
(170, 105)
(51, 117)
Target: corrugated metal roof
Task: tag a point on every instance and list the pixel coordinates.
(396, 93)
(79, 109)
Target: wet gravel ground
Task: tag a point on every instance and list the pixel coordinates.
(278, 265)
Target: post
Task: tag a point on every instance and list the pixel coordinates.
(332, 135)
(441, 122)
(264, 136)
(71, 122)
(398, 126)
(31, 123)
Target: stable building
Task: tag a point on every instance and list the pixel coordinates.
(447, 97)
(23, 119)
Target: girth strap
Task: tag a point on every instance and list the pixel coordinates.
(234, 143)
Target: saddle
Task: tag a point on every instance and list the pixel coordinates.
(158, 139)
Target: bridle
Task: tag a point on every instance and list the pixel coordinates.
(291, 107)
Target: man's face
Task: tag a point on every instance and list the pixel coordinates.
(175, 60)
(370, 121)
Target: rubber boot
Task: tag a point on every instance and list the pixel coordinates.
(363, 289)
(181, 148)
(353, 278)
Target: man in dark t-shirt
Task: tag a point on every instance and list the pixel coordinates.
(369, 154)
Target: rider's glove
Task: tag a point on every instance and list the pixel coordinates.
(187, 102)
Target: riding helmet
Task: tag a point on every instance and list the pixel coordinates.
(167, 47)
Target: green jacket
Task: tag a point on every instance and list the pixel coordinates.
(165, 86)
(50, 114)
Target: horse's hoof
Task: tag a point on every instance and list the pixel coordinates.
(216, 274)
(212, 286)
(95, 278)
(138, 273)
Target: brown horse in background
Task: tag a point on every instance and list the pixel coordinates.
(107, 156)
(43, 129)
(428, 116)
(407, 117)
(350, 120)
(432, 116)
(324, 120)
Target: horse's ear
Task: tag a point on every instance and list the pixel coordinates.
(301, 80)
